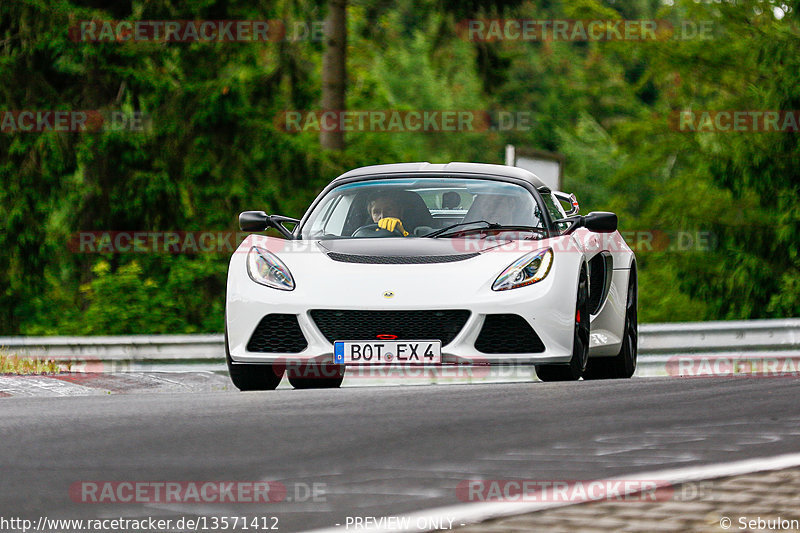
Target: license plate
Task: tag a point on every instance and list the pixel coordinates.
(387, 352)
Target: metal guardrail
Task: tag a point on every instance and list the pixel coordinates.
(124, 352)
(724, 347)
(122, 347)
(736, 336)
(658, 344)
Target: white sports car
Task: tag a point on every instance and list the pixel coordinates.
(434, 265)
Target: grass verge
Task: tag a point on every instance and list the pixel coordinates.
(22, 366)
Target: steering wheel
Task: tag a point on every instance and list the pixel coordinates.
(372, 230)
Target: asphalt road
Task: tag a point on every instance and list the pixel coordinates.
(380, 450)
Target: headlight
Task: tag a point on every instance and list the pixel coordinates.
(265, 268)
(525, 270)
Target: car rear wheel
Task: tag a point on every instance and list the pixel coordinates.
(622, 365)
(580, 344)
(316, 375)
(250, 377)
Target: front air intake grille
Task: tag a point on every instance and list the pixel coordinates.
(508, 334)
(277, 333)
(367, 325)
(399, 260)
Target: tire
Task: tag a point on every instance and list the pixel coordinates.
(622, 365)
(251, 377)
(573, 370)
(316, 376)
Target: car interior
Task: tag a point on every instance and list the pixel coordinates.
(438, 209)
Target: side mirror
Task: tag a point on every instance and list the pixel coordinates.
(601, 222)
(253, 221)
(597, 221)
(260, 221)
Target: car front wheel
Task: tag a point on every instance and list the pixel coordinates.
(622, 365)
(580, 342)
(250, 377)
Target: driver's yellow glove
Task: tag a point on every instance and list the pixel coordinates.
(391, 223)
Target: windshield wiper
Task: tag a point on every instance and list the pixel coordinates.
(488, 226)
(460, 224)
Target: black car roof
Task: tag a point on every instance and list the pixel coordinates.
(404, 169)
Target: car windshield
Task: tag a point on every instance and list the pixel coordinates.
(423, 206)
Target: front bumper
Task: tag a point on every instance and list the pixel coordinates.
(548, 306)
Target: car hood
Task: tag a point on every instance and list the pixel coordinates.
(399, 251)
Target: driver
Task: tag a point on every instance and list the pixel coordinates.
(386, 213)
